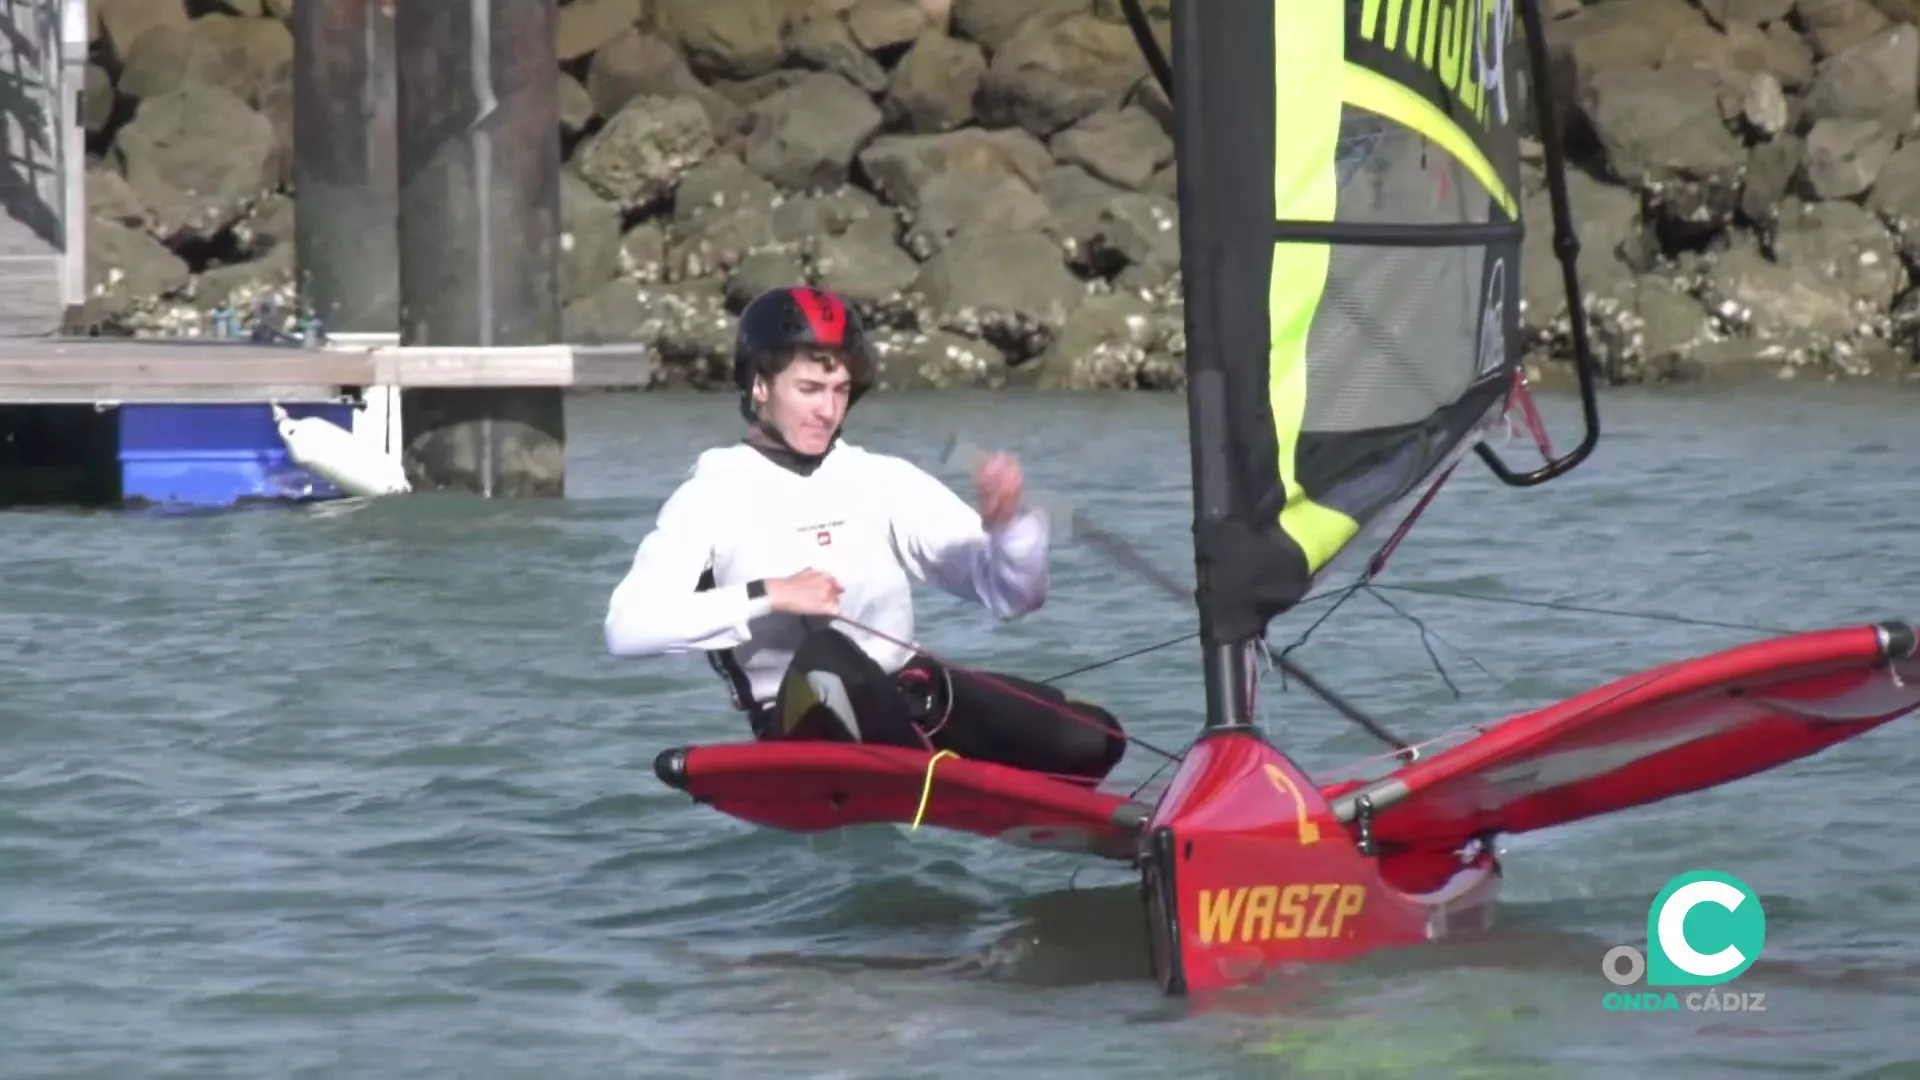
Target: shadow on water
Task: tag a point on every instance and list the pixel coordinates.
(1088, 935)
(1092, 935)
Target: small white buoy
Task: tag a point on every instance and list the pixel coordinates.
(330, 452)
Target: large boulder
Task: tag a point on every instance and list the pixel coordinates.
(993, 182)
(197, 157)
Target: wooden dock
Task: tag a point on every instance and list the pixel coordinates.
(61, 371)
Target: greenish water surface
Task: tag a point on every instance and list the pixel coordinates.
(356, 793)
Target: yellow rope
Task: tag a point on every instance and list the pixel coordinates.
(926, 792)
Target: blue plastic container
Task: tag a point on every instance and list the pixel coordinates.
(216, 455)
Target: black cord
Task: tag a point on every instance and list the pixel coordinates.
(1111, 660)
(1582, 609)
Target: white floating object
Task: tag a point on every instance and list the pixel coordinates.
(330, 452)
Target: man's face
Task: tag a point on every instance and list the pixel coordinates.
(806, 403)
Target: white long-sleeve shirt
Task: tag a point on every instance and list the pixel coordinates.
(875, 522)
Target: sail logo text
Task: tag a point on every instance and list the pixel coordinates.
(1462, 42)
(1284, 912)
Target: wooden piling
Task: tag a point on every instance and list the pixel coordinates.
(345, 164)
(479, 225)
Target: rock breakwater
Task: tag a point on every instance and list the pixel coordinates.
(992, 181)
(1748, 189)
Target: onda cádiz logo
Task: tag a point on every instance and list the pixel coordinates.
(1704, 929)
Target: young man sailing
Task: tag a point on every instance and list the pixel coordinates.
(790, 558)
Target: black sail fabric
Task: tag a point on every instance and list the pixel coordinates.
(1350, 234)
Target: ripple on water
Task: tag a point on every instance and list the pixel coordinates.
(325, 793)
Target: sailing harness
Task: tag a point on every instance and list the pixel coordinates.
(931, 700)
(739, 688)
(927, 697)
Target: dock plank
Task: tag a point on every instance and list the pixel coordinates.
(316, 368)
(455, 367)
(614, 367)
(95, 393)
(50, 370)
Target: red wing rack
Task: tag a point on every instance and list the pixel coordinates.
(1676, 729)
(815, 786)
(1679, 728)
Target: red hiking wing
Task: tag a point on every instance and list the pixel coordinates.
(812, 786)
(1675, 729)
(1678, 728)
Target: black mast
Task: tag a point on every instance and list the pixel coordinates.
(1207, 281)
(1224, 662)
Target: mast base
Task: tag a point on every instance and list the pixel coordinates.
(1245, 871)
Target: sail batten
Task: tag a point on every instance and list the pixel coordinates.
(1351, 247)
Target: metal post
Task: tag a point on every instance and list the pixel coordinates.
(345, 169)
(479, 228)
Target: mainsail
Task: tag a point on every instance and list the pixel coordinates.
(1349, 198)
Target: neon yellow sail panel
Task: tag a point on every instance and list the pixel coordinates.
(1351, 248)
(1305, 188)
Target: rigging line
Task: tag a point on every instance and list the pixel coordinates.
(1531, 411)
(1426, 642)
(1345, 593)
(1151, 777)
(1327, 776)
(1633, 685)
(1008, 687)
(1124, 554)
(1347, 709)
(1111, 660)
(1425, 631)
(1582, 609)
(1128, 557)
(1408, 751)
(1378, 563)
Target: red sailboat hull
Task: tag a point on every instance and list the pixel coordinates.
(1246, 869)
(1248, 865)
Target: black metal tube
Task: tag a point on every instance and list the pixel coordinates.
(1224, 662)
(1225, 666)
(345, 169)
(1566, 248)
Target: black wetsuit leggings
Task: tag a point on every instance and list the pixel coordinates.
(999, 718)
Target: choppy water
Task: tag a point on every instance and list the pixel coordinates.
(323, 794)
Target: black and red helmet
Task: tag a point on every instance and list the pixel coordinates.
(782, 323)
